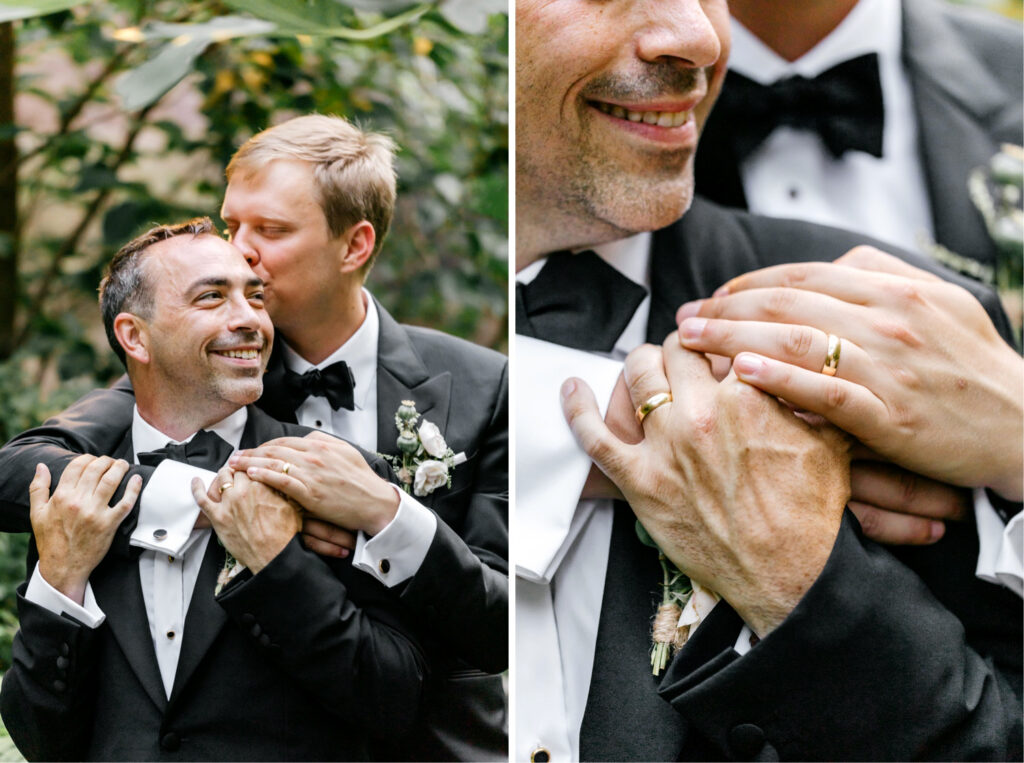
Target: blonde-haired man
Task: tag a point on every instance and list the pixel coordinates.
(309, 203)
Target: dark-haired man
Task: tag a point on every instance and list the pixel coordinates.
(136, 658)
(309, 202)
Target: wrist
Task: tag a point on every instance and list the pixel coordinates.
(66, 582)
(385, 505)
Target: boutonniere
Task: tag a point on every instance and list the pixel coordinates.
(228, 572)
(684, 605)
(425, 462)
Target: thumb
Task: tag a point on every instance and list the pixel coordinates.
(610, 453)
(39, 488)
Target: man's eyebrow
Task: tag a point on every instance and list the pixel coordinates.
(222, 282)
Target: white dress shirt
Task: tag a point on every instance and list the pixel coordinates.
(562, 543)
(793, 174)
(168, 580)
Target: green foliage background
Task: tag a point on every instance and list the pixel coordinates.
(122, 120)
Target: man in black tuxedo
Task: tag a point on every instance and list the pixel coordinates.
(931, 91)
(610, 101)
(137, 659)
(309, 203)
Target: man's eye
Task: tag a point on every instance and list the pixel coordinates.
(208, 295)
(257, 296)
(273, 231)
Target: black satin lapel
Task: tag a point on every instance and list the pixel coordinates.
(118, 592)
(625, 719)
(259, 428)
(205, 617)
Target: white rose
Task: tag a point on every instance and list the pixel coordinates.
(432, 440)
(430, 475)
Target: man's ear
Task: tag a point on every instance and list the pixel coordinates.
(132, 333)
(359, 240)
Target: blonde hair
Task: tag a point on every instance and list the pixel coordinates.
(353, 170)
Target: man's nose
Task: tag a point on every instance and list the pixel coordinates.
(679, 30)
(242, 316)
(243, 240)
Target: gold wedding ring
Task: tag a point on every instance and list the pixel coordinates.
(654, 401)
(225, 485)
(835, 346)
(286, 467)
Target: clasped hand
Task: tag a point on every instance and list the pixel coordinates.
(75, 526)
(739, 492)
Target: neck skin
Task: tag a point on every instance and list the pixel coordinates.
(540, 230)
(177, 418)
(324, 327)
(794, 27)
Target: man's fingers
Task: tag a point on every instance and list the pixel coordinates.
(897, 490)
(607, 451)
(285, 483)
(802, 346)
(74, 470)
(323, 548)
(644, 373)
(274, 448)
(206, 505)
(110, 480)
(131, 494)
(849, 406)
(868, 258)
(328, 533)
(894, 528)
(39, 488)
(92, 473)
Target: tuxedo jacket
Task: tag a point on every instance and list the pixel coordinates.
(459, 597)
(966, 80)
(304, 661)
(883, 659)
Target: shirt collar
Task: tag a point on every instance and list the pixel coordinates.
(146, 437)
(360, 352)
(630, 256)
(873, 26)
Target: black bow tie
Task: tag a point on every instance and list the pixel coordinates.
(577, 300)
(207, 449)
(335, 382)
(843, 105)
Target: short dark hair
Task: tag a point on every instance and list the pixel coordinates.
(125, 288)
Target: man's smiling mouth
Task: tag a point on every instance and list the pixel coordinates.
(657, 118)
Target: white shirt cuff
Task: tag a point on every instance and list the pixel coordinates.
(1000, 548)
(550, 464)
(395, 553)
(45, 595)
(167, 510)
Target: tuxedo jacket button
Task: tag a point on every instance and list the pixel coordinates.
(59, 686)
(264, 640)
(63, 662)
(746, 740)
(255, 631)
(248, 618)
(170, 741)
(65, 649)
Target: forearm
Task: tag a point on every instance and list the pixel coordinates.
(333, 638)
(901, 681)
(95, 424)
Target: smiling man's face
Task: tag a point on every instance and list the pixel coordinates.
(611, 96)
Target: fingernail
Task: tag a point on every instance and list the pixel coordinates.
(568, 387)
(938, 530)
(748, 365)
(688, 310)
(721, 291)
(251, 470)
(692, 328)
(233, 459)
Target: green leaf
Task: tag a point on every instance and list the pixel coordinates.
(150, 81)
(12, 10)
(470, 16)
(644, 536)
(216, 30)
(322, 17)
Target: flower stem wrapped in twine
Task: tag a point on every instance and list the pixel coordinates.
(667, 636)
